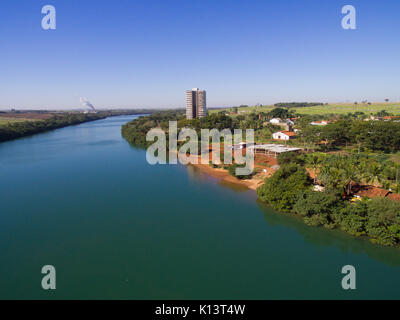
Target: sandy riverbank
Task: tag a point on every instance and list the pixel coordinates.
(223, 175)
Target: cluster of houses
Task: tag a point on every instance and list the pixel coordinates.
(286, 134)
(385, 118)
(289, 133)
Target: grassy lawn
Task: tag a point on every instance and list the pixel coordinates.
(396, 157)
(330, 108)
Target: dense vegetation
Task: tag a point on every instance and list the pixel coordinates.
(367, 135)
(290, 190)
(15, 130)
(135, 131)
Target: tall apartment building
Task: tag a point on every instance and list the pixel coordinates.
(196, 103)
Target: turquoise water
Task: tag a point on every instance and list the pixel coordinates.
(81, 199)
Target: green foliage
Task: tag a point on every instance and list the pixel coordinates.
(352, 218)
(290, 157)
(282, 189)
(135, 131)
(280, 113)
(378, 218)
(374, 135)
(26, 128)
(383, 221)
(318, 208)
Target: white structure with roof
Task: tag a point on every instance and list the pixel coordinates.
(272, 149)
(319, 123)
(283, 135)
(275, 120)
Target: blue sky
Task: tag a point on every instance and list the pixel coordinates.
(127, 53)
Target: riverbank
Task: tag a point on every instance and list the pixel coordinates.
(262, 171)
(222, 174)
(38, 122)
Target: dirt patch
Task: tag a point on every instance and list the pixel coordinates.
(224, 175)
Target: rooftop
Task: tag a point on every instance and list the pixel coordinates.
(277, 148)
(394, 196)
(289, 133)
(370, 191)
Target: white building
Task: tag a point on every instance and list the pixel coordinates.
(319, 123)
(284, 135)
(275, 121)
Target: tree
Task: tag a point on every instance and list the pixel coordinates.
(314, 162)
(350, 173)
(352, 218)
(310, 136)
(290, 157)
(279, 113)
(383, 113)
(337, 133)
(374, 173)
(282, 189)
(318, 208)
(383, 224)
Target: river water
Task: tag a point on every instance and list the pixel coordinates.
(83, 200)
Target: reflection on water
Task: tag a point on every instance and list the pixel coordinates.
(324, 237)
(315, 236)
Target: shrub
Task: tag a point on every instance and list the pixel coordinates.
(282, 189)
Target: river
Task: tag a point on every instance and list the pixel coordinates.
(82, 199)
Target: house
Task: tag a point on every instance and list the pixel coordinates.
(275, 121)
(284, 135)
(272, 150)
(394, 196)
(318, 188)
(319, 123)
(366, 191)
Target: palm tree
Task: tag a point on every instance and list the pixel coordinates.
(350, 174)
(314, 162)
(374, 173)
(332, 178)
(397, 167)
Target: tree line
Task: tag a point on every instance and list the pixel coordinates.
(21, 129)
(381, 136)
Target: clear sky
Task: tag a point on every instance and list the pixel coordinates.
(128, 53)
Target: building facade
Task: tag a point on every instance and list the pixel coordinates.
(196, 103)
(284, 135)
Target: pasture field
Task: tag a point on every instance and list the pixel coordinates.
(341, 108)
(12, 117)
(5, 120)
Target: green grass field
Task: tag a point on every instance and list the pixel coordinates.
(4, 121)
(328, 109)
